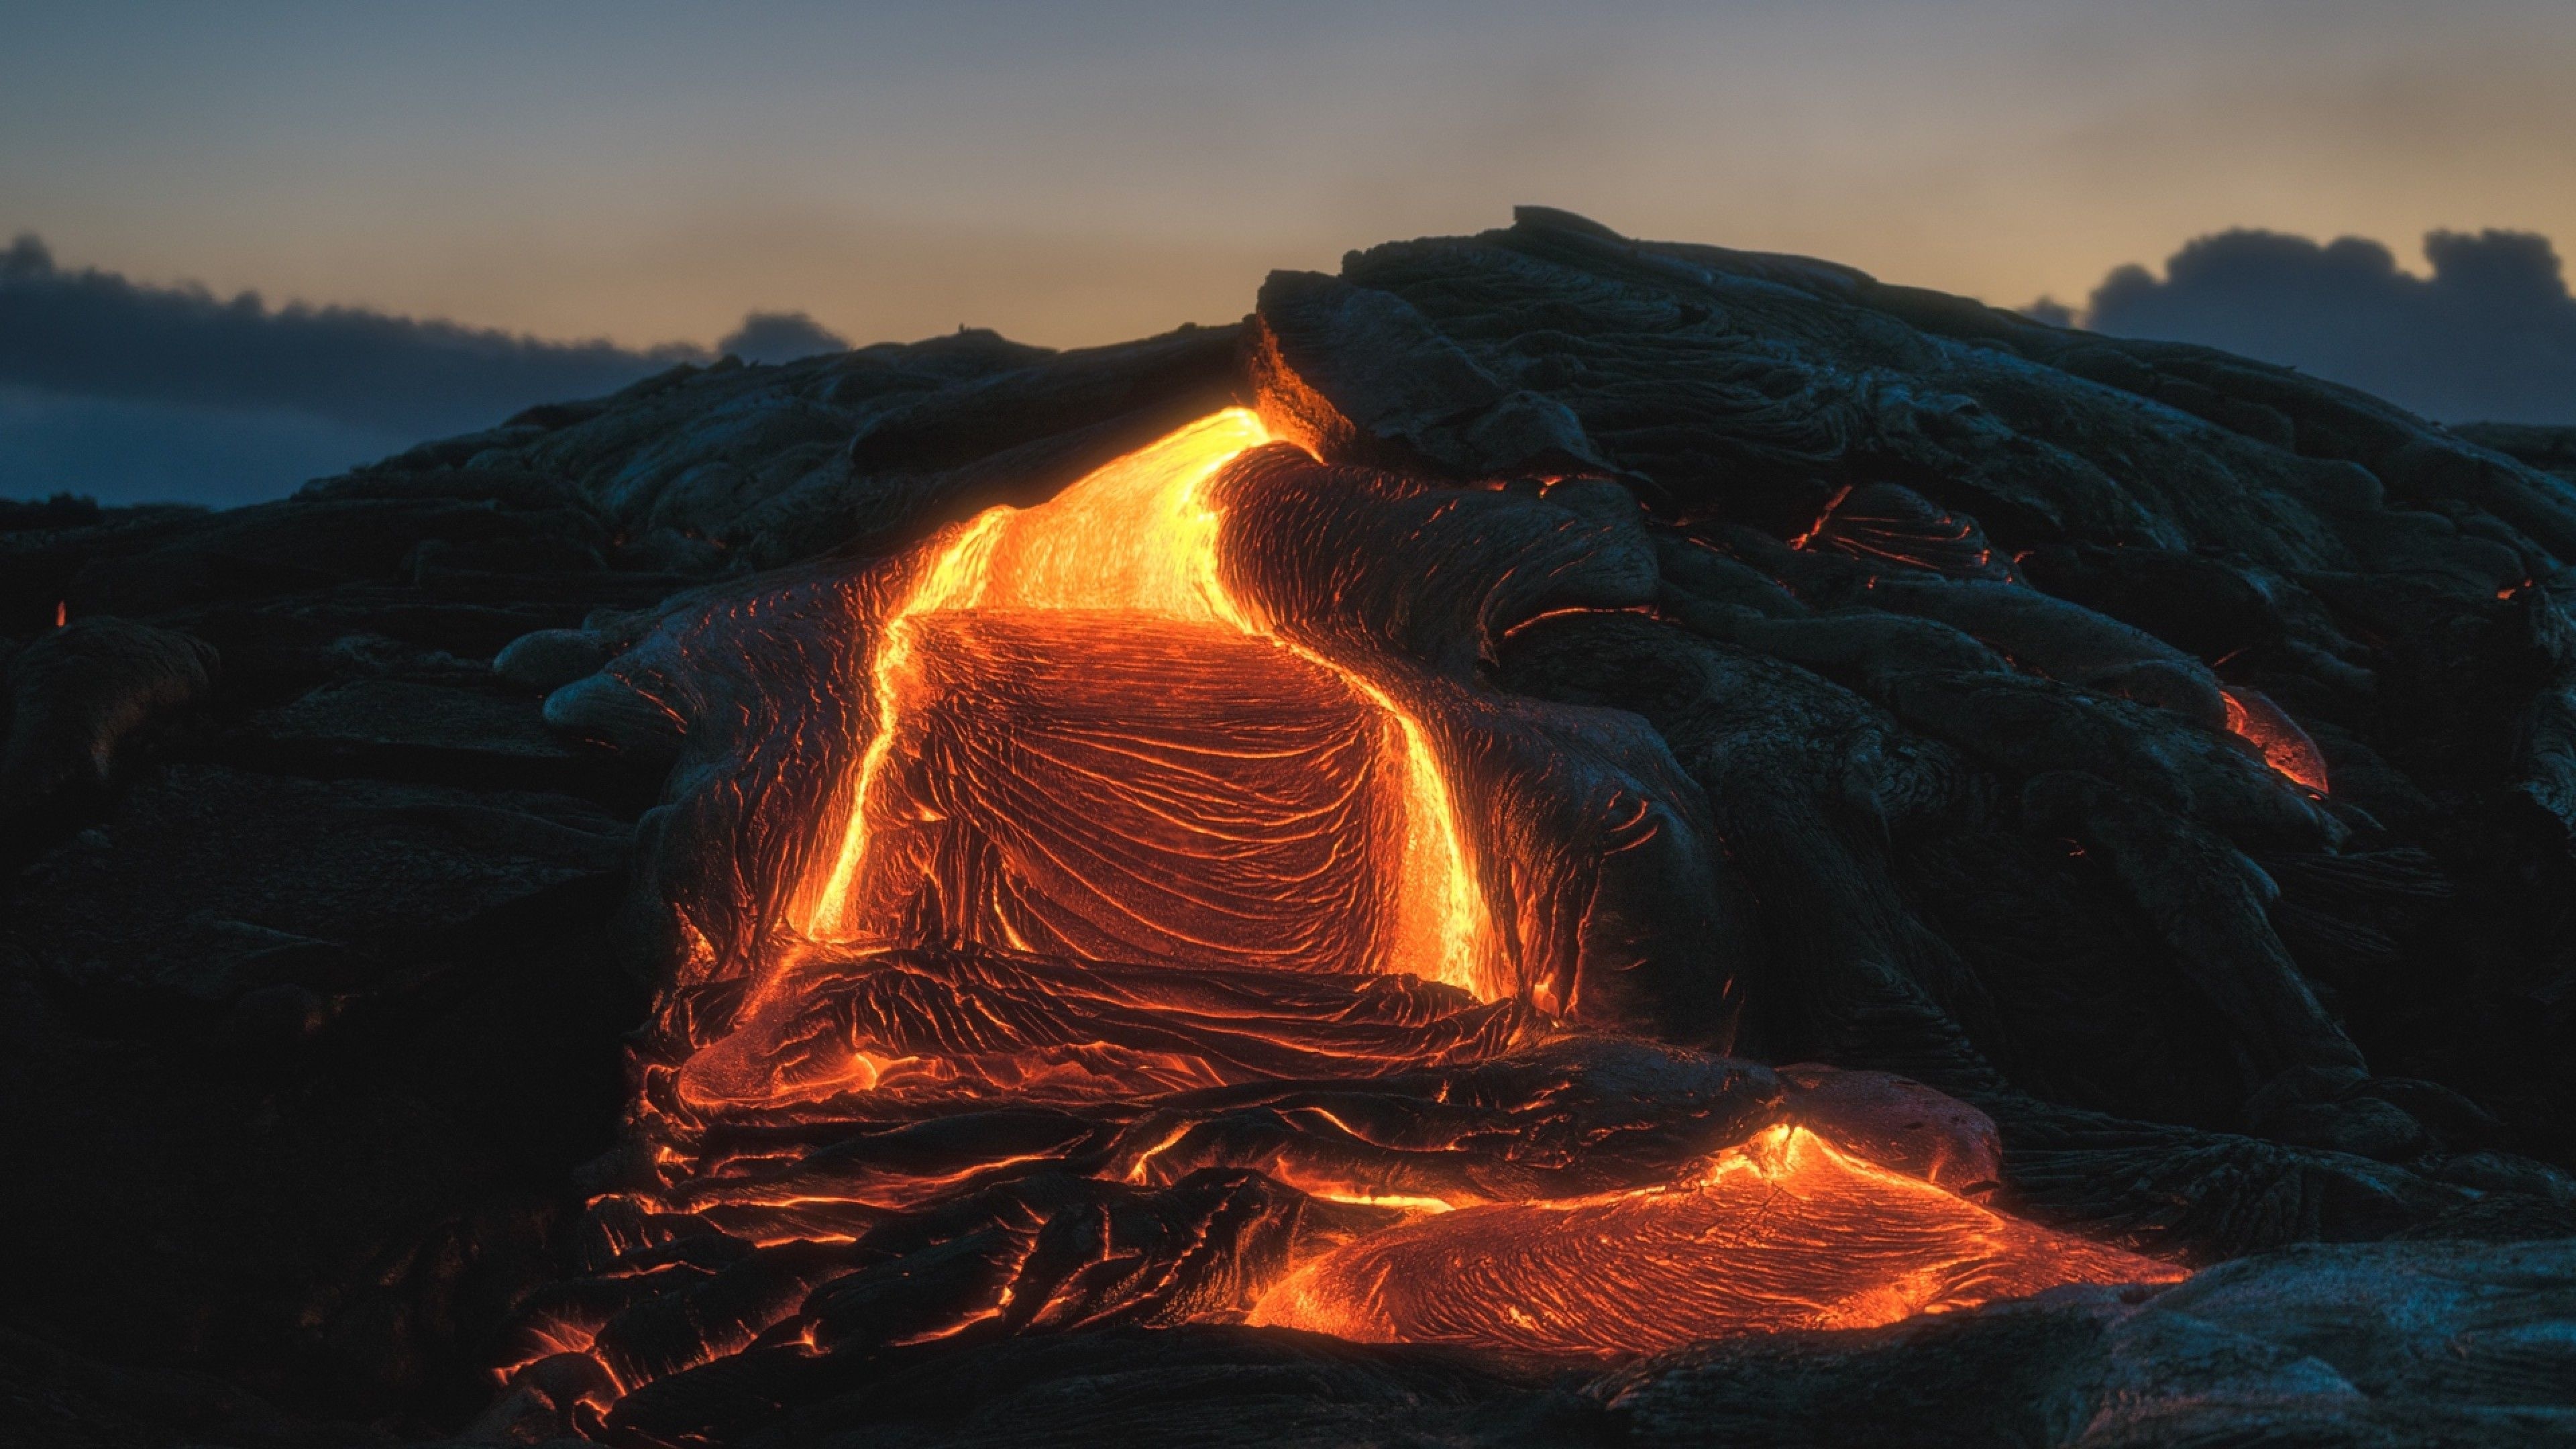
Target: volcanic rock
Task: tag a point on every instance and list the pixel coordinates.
(83, 702)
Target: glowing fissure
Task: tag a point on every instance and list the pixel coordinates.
(1138, 540)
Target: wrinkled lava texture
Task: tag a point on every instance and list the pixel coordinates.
(1553, 840)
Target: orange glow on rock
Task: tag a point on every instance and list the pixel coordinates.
(1783, 1233)
(2254, 719)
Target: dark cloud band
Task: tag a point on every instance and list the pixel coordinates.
(95, 334)
(129, 391)
(2490, 334)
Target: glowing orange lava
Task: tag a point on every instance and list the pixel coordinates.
(1136, 545)
(1785, 1232)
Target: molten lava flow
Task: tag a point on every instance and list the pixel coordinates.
(2259, 722)
(1143, 974)
(1084, 743)
(1783, 1233)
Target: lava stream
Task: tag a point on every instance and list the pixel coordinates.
(1785, 1232)
(1136, 546)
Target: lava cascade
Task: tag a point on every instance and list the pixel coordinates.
(1144, 974)
(1113, 591)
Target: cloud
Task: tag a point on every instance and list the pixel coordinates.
(95, 334)
(2490, 334)
(130, 392)
(780, 337)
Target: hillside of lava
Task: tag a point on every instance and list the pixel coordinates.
(1553, 840)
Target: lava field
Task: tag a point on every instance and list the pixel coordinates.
(1554, 840)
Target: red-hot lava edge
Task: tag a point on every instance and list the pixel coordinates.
(1154, 920)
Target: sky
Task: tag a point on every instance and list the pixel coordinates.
(646, 174)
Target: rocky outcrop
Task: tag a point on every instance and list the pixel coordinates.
(2395, 1344)
(83, 703)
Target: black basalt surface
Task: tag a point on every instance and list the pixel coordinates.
(340, 875)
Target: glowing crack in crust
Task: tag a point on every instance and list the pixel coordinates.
(2285, 747)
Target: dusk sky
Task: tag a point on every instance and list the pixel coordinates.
(648, 173)
(1080, 173)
